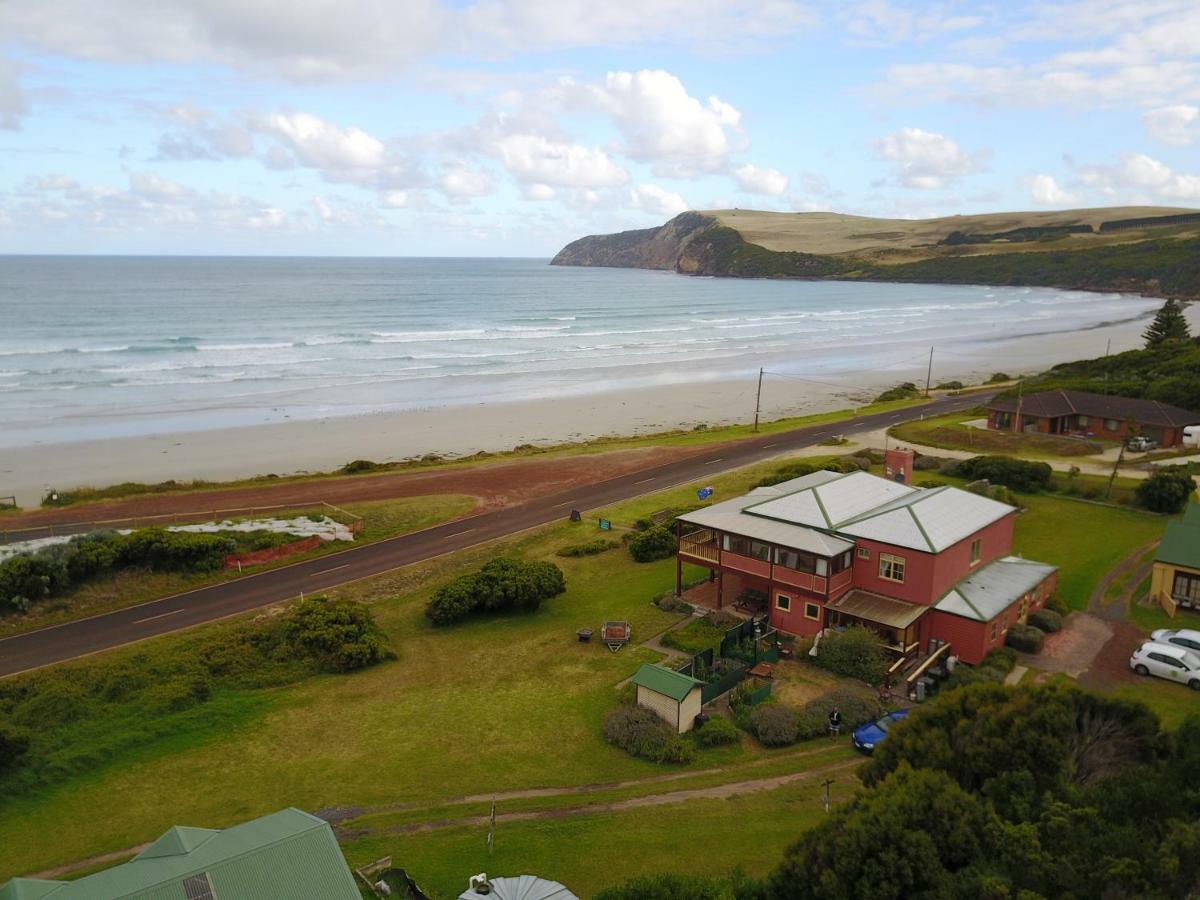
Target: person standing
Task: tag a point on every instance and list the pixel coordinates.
(835, 722)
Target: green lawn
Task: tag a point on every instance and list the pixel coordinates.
(498, 703)
(381, 519)
(949, 433)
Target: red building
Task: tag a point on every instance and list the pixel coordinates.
(829, 549)
(1081, 414)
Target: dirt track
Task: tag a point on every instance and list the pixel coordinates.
(497, 485)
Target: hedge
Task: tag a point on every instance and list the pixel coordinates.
(1017, 474)
(502, 584)
(1047, 620)
(1025, 638)
(853, 653)
(640, 732)
(339, 635)
(656, 542)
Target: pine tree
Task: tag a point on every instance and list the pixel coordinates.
(1168, 325)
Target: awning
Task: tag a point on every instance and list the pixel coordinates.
(879, 609)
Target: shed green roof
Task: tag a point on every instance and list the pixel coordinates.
(1191, 514)
(1181, 542)
(663, 681)
(288, 854)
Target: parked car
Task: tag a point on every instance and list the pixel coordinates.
(1184, 637)
(1141, 444)
(1168, 661)
(866, 737)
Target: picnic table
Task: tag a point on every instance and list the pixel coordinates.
(762, 670)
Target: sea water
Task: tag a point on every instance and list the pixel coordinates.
(104, 346)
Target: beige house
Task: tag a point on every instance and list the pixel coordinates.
(1175, 578)
(673, 696)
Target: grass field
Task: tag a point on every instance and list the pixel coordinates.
(504, 703)
(949, 433)
(381, 519)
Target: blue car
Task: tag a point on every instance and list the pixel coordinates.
(866, 737)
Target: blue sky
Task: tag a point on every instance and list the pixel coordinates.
(509, 127)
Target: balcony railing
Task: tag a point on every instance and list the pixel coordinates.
(700, 544)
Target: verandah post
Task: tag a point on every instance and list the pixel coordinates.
(678, 560)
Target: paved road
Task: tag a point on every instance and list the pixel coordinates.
(80, 638)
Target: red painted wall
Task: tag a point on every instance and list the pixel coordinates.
(970, 640)
(918, 573)
(953, 564)
(794, 621)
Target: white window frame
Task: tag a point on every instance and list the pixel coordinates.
(888, 562)
(863, 552)
(816, 606)
(786, 605)
(976, 551)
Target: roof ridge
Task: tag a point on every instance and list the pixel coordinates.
(921, 528)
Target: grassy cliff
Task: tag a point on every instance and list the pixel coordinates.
(1149, 250)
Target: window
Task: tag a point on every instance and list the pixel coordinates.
(1186, 587)
(812, 611)
(891, 568)
(822, 567)
(842, 561)
(746, 547)
(993, 631)
(976, 550)
(794, 559)
(1167, 660)
(1085, 421)
(783, 602)
(1004, 622)
(1004, 420)
(864, 553)
(1111, 425)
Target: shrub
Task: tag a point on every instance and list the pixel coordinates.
(23, 581)
(1002, 658)
(640, 732)
(774, 725)
(787, 473)
(1047, 620)
(173, 551)
(503, 583)
(1166, 491)
(853, 653)
(1018, 474)
(1025, 638)
(339, 635)
(14, 744)
(590, 548)
(677, 750)
(998, 377)
(1055, 603)
(928, 463)
(855, 707)
(950, 386)
(652, 544)
(354, 467)
(717, 731)
(905, 391)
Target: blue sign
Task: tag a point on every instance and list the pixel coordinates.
(605, 525)
(704, 493)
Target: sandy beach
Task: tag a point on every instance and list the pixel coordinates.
(325, 444)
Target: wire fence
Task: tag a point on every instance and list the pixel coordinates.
(354, 523)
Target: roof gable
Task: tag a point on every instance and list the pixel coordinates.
(177, 841)
(832, 501)
(1181, 544)
(987, 592)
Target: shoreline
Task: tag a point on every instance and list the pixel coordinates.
(299, 447)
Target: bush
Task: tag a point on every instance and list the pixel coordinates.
(928, 463)
(856, 709)
(501, 584)
(652, 544)
(14, 745)
(998, 377)
(357, 466)
(1047, 620)
(1166, 491)
(905, 391)
(950, 386)
(787, 473)
(173, 551)
(774, 725)
(640, 732)
(590, 548)
(1025, 638)
(716, 732)
(1003, 659)
(853, 653)
(1055, 603)
(339, 635)
(1018, 474)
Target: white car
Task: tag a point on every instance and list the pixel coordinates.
(1168, 661)
(1184, 637)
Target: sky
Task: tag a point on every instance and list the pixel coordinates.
(510, 127)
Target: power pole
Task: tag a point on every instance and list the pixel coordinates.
(1113, 476)
(758, 399)
(825, 800)
(929, 372)
(1017, 420)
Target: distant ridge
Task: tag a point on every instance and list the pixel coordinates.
(1142, 249)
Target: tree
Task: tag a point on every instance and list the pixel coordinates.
(1169, 325)
(341, 635)
(1166, 491)
(855, 652)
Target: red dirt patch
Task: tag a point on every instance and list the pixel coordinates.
(1111, 665)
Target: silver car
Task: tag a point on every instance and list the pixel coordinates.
(1168, 661)
(1184, 637)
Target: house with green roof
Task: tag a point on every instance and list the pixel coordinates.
(1175, 577)
(288, 855)
(672, 695)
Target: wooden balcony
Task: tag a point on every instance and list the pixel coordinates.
(700, 545)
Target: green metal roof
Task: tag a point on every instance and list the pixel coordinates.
(663, 681)
(288, 854)
(987, 592)
(1181, 541)
(1191, 514)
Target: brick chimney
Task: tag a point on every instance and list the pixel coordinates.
(898, 465)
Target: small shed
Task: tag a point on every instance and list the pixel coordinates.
(673, 695)
(1175, 577)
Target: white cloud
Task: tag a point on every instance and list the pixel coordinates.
(539, 192)
(925, 159)
(1141, 177)
(147, 184)
(323, 39)
(461, 183)
(756, 180)
(534, 159)
(1178, 124)
(12, 99)
(1045, 191)
(665, 126)
(324, 145)
(883, 23)
(653, 199)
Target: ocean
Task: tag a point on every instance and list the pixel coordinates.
(94, 347)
